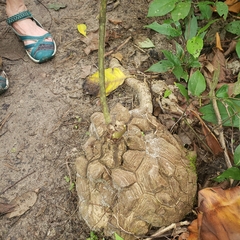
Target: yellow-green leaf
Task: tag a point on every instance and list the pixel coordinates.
(82, 28)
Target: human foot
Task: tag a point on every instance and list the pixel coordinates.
(27, 27)
(38, 42)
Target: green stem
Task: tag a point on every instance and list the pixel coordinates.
(101, 52)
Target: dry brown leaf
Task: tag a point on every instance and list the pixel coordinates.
(219, 62)
(218, 217)
(231, 47)
(85, 71)
(118, 56)
(211, 140)
(115, 21)
(209, 67)
(22, 204)
(92, 41)
(218, 42)
(230, 2)
(6, 208)
(234, 8)
(233, 5)
(193, 230)
(214, 61)
(219, 214)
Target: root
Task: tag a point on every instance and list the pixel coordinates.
(142, 89)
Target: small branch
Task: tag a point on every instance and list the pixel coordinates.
(5, 120)
(119, 47)
(17, 182)
(166, 229)
(212, 86)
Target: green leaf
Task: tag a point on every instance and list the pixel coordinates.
(165, 29)
(159, 8)
(146, 44)
(196, 83)
(167, 93)
(67, 179)
(182, 90)
(179, 50)
(229, 113)
(191, 28)
(179, 72)
(203, 29)
(192, 62)
(236, 156)
(56, 6)
(222, 92)
(234, 27)
(117, 237)
(93, 236)
(236, 89)
(161, 67)
(172, 57)
(238, 49)
(181, 10)
(222, 9)
(72, 185)
(194, 46)
(185, 76)
(205, 9)
(233, 173)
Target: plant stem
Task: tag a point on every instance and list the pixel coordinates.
(212, 96)
(101, 52)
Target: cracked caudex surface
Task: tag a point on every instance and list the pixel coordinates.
(140, 180)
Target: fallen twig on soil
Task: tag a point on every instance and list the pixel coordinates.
(166, 229)
(5, 120)
(119, 47)
(17, 182)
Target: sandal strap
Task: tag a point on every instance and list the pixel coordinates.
(3, 82)
(19, 16)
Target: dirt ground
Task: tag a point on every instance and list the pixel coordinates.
(45, 115)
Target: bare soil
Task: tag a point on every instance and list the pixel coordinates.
(44, 116)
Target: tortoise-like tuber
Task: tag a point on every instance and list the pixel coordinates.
(130, 183)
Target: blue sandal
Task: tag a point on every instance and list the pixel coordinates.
(41, 50)
(4, 85)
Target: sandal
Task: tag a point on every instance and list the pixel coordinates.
(41, 50)
(4, 85)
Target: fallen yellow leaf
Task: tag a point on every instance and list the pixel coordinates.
(82, 28)
(114, 77)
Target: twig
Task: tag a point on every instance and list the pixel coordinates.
(166, 229)
(119, 47)
(17, 182)
(5, 120)
(212, 86)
